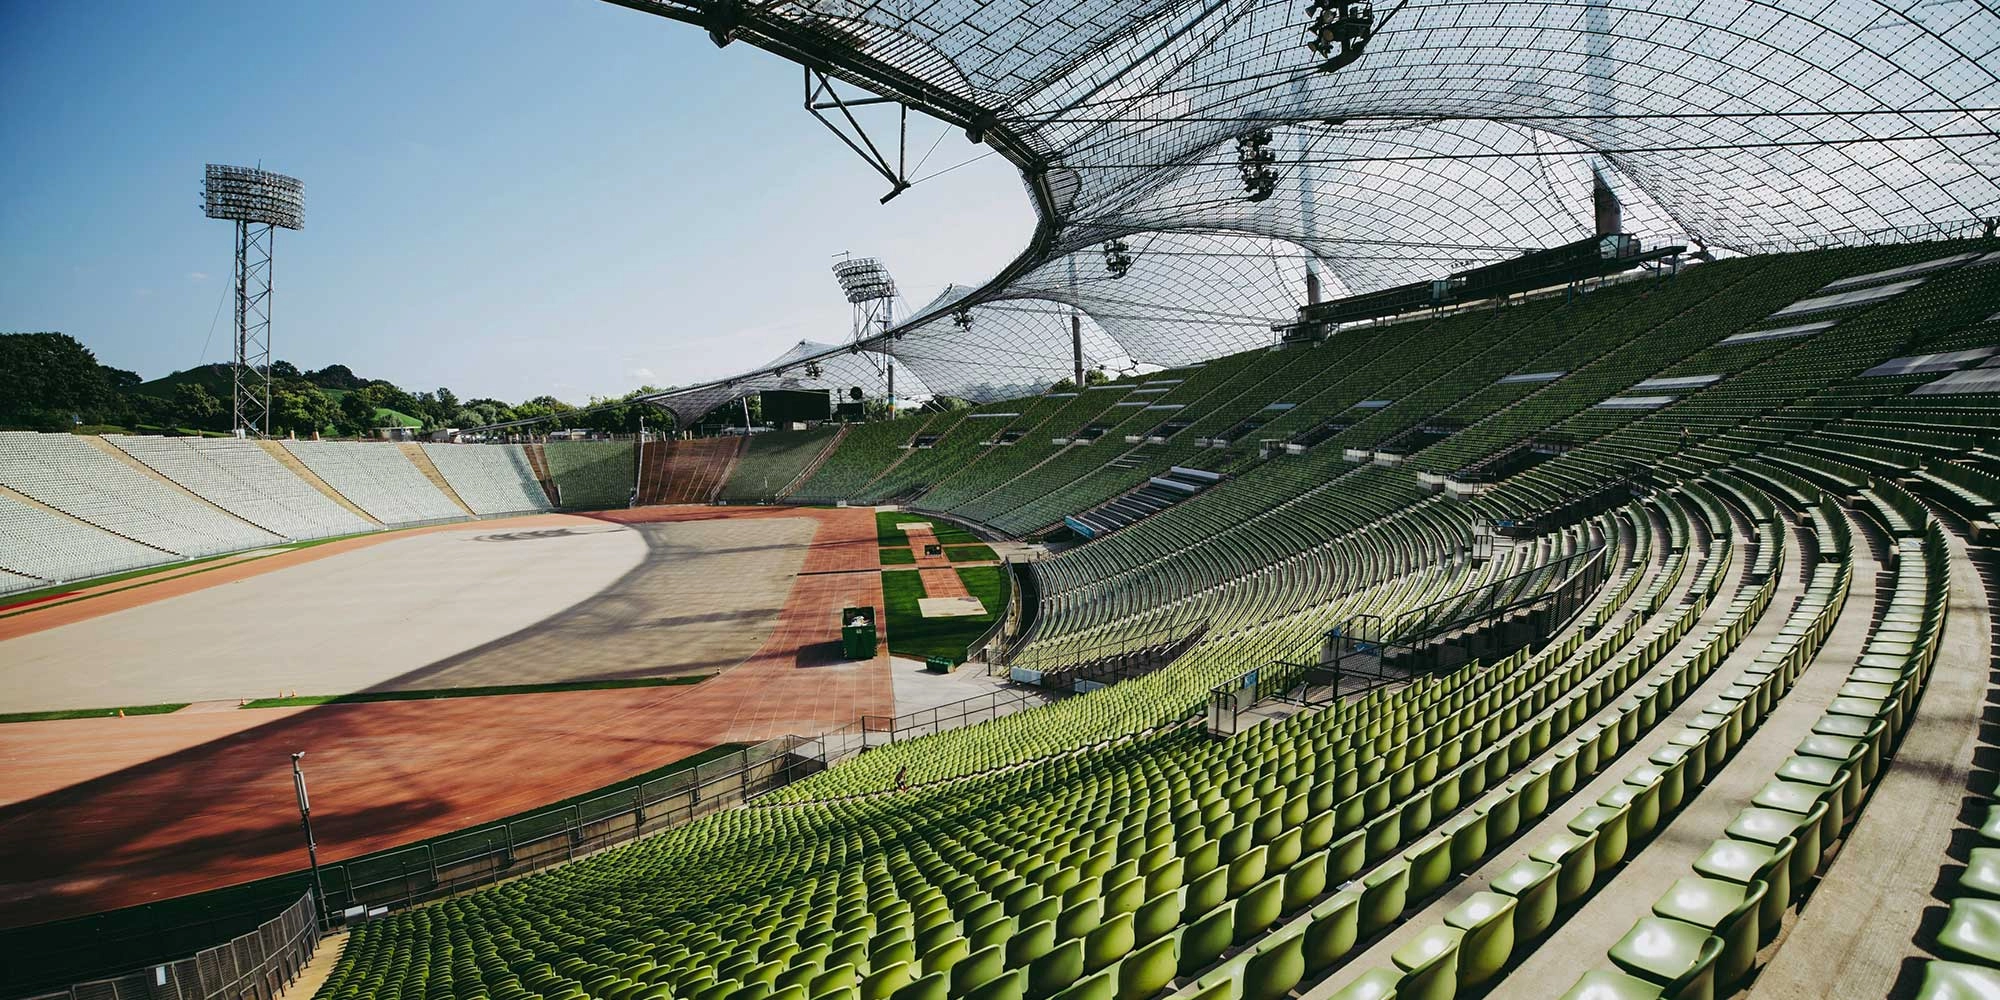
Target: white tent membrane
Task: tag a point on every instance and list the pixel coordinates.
(1466, 133)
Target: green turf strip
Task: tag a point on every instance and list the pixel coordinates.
(888, 534)
(898, 557)
(360, 697)
(911, 634)
(91, 713)
(970, 553)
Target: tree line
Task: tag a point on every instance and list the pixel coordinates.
(51, 382)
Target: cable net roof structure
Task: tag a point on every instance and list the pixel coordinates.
(1466, 132)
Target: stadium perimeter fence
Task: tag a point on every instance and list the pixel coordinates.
(254, 966)
(488, 854)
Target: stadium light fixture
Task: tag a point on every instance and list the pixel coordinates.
(312, 848)
(260, 203)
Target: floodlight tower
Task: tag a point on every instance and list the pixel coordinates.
(260, 203)
(866, 283)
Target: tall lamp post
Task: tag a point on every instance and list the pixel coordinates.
(312, 848)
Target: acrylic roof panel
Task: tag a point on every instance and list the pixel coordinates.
(1466, 133)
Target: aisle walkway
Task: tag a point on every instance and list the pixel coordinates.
(1858, 936)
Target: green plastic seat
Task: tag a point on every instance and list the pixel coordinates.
(1030, 943)
(1728, 910)
(1098, 987)
(1744, 862)
(1662, 951)
(1972, 931)
(1575, 857)
(1430, 965)
(1108, 943)
(1056, 970)
(1773, 826)
(1375, 984)
(1532, 884)
(1982, 873)
(977, 968)
(1206, 939)
(1305, 881)
(1612, 826)
(1148, 970)
(1958, 981)
(1009, 985)
(1259, 908)
(1157, 918)
(1384, 893)
(1332, 931)
(1487, 918)
(1604, 984)
(1275, 966)
(932, 986)
(1430, 866)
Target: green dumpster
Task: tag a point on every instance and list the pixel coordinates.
(857, 633)
(938, 664)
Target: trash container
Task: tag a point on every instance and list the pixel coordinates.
(938, 664)
(857, 633)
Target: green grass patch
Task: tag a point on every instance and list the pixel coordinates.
(90, 713)
(363, 697)
(888, 534)
(911, 634)
(970, 553)
(899, 557)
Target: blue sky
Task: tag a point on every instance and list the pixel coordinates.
(508, 197)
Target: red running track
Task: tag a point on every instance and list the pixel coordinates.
(102, 813)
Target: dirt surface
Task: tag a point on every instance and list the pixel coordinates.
(99, 813)
(939, 575)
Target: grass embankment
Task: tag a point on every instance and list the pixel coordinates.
(911, 634)
(90, 713)
(363, 697)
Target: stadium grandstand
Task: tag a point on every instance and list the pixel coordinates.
(1488, 500)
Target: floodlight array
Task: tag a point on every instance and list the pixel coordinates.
(248, 194)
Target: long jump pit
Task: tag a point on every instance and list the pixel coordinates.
(104, 812)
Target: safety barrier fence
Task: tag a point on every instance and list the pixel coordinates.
(253, 966)
(1489, 621)
(811, 755)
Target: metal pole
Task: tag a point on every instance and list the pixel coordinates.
(312, 848)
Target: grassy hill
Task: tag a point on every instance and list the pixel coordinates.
(215, 378)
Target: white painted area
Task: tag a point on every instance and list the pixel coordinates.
(1920, 364)
(342, 623)
(1842, 300)
(1777, 333)
(1679, 383)
(950, 607)
(1906, 271)
(1634, 403)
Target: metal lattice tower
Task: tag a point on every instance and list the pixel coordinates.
(260, 203)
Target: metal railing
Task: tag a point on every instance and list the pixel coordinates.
(1367, 651)
(255, 966)
(487, 854)
(811, 755)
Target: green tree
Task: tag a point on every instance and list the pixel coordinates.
(49, 380)
(338, 377)
(357, 414)
(196, 407)
(300, 407)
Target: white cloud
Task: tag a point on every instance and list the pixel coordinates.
(642, 374)
(197, 275)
